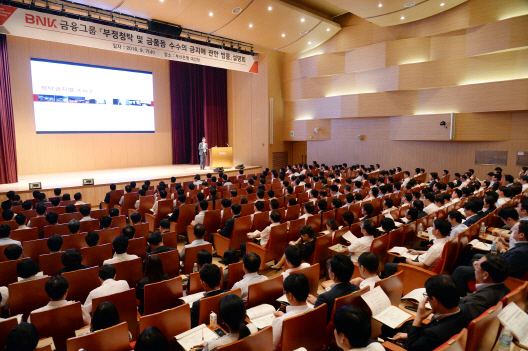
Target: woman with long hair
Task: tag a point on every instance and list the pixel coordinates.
(153, 274)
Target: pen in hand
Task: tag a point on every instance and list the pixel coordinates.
(202, 335)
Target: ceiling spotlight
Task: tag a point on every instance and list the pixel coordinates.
(283, 35)
(162, 0)
(302, 19)
(328, 29)
(380, 5)
(250, 25)
(442, 4)
(210, 14)
(309, 43)
(270, 8)
(402, 17)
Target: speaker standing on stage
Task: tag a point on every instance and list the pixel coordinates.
(202, 148)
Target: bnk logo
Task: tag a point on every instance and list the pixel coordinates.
(40, 21)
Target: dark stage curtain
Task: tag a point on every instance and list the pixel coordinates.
(198, 109)
(8, 162)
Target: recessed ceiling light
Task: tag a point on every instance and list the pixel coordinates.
(302, 19)
(328, 29)
(380, 5)
(442, 4)
(283, 35)
(270, 8)
(161, 0)
(309, 43)
(250, 25)
(210, 14)
(402, 17)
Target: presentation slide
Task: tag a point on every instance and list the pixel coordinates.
(76, 98)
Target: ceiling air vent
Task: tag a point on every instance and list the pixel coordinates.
(304, 32)
(410, 4)
(237, 10)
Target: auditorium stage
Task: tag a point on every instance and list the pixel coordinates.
(72, 181)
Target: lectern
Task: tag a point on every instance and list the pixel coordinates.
(222, 157)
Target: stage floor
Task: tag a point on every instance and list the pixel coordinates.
(109, 176)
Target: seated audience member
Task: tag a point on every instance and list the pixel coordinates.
(92, 239)
(419, 205)
(128, 189)
(199, 232)
(426, 259)
(52, 218)
(296, 287)
(457, 227)
(20, 220)
(164, 226)
(199, 219)
(230, 256)
(5, 231)
(71, 260)
(78, 199)
(70, 208)
(211, 279)
(113, 212)
(74, 226)
(135, 218)
(41, 212)
(108, 286)
(232, 311)
(107, 196)
(293, 260)
(13, 252)
(368, 229)
(251, 266)
(66, 197)
(105, 316)
(42, 200)
(368, 268)
(340, 272)
(8, 215)
(105, 222)
(162, 196)
(141, 192)
(489, 205)
(23, 337)
(264, 235)
(229, 224)
(516, 258)
(353, 329)
(387, 225)
(155, 241)
(226, 205)
(120, 245)
(85, 212)
(471, 212)
(202, 258)
(54, 243)
(152, 339)
(306, 243)
(490, 272)
(366, 211)
(55, 202)
(447, 321)
(27, 269)
(57, 290)
(154, 273)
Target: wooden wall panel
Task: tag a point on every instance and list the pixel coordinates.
(317, 87)
(423, 127)
(367, 57)
(448, 45)
(490, 126)
(47, 153)
(502, 35)
(387, 104)
(329, 64)
(292, 90)
(304, 130)
(400, 52)
(518, 126)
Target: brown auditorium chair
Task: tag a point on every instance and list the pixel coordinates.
(50, 264)
(513, 283)
(186, 216)
(110, 339)
(61, 229)
(517, 296)
(90, 226)
(393, 287)
(260, 341)
(455, 343)
(96, 255)
(247, 209)
(74, 241)
(115, 196)
(5, 327)
(118, 222)
(194, 283)
(409, 233)
(395, 238)
(277, 243)
(33, 249)
(379, 247)
(59, 323)
(339, 215)
(27, 296)
(107, 236)
(312, 273)
(294, 233)
(293, 212)
(314, 221)
(305, 330)
(39, 223)
(212, 221)
(356, 211)
(137, 247)
(12, 224)
(260, 221)
(81, 205)
(125, 303)
(98, 214)
(8, 272)
(413, 277)
(171, 262)
(24, 234)
(266, 291)
(210, 304)
(170, 239)
(142, 231)
(171, 322)
(82, 282)
(128, 203)
(165, 208)
(67, 217)
(330, 214)
(145, 204)
(321, 253)
(238, 236)
(191, 255)
(484, 330)
(131, 271)
(171, 290)
(235, 273)
(447, 262)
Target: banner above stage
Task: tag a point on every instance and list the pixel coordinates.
(38, 25)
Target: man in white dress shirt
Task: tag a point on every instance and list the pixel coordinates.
(264, 236)
(85, 212)
(57, 290)
(524, 182)
(20, 219)
(120, 247)
(251, 263)
(78, 199)
(5, 231)
(429, 202)
(456, 219)
(368, 268)
(352, 330)
(108, 286)
(504, 195)
(199, 219)
(407, 178)
(162, 196)
(368, 229)
(293, 260)
(297, 289)
(199, 232)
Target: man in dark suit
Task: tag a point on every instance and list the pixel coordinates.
(471, 211)
(107, 196)
(213, 198)
(419, 205)
(211, 277)
(341, 270)
(229, 224)
(155, 241)
(202, 151)
(490, 273)
(448, 320)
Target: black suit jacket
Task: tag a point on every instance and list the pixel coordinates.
(434, 334)
(474, 219)
(107, 198)
(195, 309)
(213, 200)
(422, 214)
(228, 227)
(517, 259)
(159, 250)
(475, 304)
(329, 297)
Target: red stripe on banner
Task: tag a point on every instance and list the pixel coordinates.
(152, 103)
(254, 68)
(35, 97)
(5, 13)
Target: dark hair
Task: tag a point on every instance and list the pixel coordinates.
(120, 244)
(369, 226)
(332, 223)
(307, 230)
(74, 226)
(155, 238)
(71, 257)
(322, 204)
(113, 212)
(387, 224)
(66, 197)
(85, 210)
(456, 215)
(27, 268)
(297, 284)
(259, 205)
(20, 218)
(236, 208)
(70, 208)
(154, 269)
(210, 274)
(129, 231)
(496, 266)
(443, 288)
(135, 217)
(354, 323)
(230, 256)
(105, 316)
(204, 205)
(5, 230)
(13, 252)
(105, 221)
(107, 271)
(152, 339)
(232, 310)
(368, 208)
(369, 261)
(342, 267)
(199, 230)
(92, 239)
(8, 215)
(275, 216)
(508, 212)
(23, 337)
(443, 226)
(309, 207)
(56, 287)
(293, 255)
(251, 262)
(413, 213)
(204, 257)
(54, 243)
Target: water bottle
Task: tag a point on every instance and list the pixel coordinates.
(195, 268)
(505, 340)
(494, 248)
(482, 231)
(420, 228)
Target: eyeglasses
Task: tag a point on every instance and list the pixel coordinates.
(425, 295)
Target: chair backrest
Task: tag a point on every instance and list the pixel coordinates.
(125, 302)
(294, 232)
(171, 290)
(59, 323)
(212, 219)
(194, 285)
(241, 227)
(115, 196)
(8, 273)
(110, 339)
(449, 255)
(210, 304)
(293, 212)
(50, 264)
(120, 222)
(129, 201)
(409, 232)
(171, 263)
(27, 296)
(33, 249)
(137, 247)
(191, 256)
(171, 322)
(5, 327)
(82, 282)
(67, 217)
(305, 330)
(145, 204)
(395, 238)
(320, 255)
(61, 229)
(314, 221)
(312, 274)
(379, 247)
(260, 221)
(96, 255)
(456, 343)
(277, 243)
(74, 241)
(185, 217)
(235, 273)
(517, 296)
(267, 291)
(413, 277)
(260, 341)
(97, 214)
(131, 271)
(142, 231)
(484, 330)
(89, 226)
(24, 234)
(393, 287)
(107, 236)
(353, 299)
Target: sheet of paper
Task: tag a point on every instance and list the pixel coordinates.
(45, 342)
(388, 215)
(477, 244)
(517, 320)
(491, 238)
(417, 295)
(461, 210)
(398, 224)
(82, 331)
(348, 236)
(337, 248)
(194, 337)
(264, 321)
(260, 310)
(404, 220)
(191, 298)
(376, 300)
(399, 250)
(392, 316)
